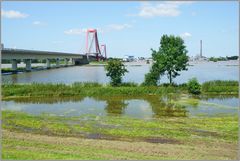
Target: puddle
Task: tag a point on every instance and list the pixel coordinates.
(145, 107)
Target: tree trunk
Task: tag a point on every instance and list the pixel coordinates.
(170, 77)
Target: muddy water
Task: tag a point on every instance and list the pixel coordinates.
(138, 107)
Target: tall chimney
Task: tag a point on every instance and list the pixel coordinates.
(200, 48)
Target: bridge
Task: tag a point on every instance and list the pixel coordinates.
(93, 52)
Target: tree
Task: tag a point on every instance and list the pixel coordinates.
(151, 78)
(115, 70)
(170, 59)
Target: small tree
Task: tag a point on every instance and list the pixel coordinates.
(115, 70)
(193, 86)
(171, 58)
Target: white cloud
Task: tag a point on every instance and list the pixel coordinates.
(165, 9)
(75, 31)
(13, 14)
(111, 27)
(185, 35)
(38, 23)
(119, 26)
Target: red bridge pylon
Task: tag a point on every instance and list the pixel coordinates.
(92, 45)
(104, 51)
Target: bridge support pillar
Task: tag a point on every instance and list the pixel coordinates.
(57, 62)
(66, 62)
(28, 64)
(14, 64)
(48, 63)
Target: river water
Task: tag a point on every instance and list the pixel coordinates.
(203, 71)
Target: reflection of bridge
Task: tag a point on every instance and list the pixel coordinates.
(92, 52)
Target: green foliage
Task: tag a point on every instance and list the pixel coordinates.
(152, 78)
(214, 59)
(232, 57)
(81, 89)
(194, 86)
(115, 70)
(171, 58)
(217, 86)
(95, 89)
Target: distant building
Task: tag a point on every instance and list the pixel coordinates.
(200, 58)
(128, 58)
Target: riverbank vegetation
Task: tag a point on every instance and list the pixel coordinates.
(112, 137)
(96, 89)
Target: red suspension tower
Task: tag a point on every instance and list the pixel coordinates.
(92, 45)
(104, 51)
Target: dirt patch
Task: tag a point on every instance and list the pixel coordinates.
(204, 132)
(100, 136)
(161, 140)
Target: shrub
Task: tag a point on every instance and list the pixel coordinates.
(193, 86)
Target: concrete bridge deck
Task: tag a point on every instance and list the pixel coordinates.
(27, 55)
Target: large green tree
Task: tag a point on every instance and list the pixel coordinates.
(115, 70)
(170, 59)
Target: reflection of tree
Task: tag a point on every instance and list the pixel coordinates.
(165, 107)
(48, 100)
(115, 105)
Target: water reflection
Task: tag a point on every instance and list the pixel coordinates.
(138, 107)
(47, 100)
(116, 106)
(165, 107)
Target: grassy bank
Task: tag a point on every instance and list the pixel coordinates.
(95, 89)
(82, 89)
(118, 137)
(222, 87)
(20, 69)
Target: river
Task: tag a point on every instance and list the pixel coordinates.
(203, 71)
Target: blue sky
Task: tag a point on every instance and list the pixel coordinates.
(127, 28)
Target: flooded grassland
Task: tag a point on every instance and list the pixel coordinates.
(173, 125)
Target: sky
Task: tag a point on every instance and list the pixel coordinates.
(127, 28)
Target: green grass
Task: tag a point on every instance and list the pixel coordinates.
(28, 136)
(176, 128)
(82, 89)
(220, 86)
(5, 70)
(126, 89)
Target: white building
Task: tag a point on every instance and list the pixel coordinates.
(128, 58)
